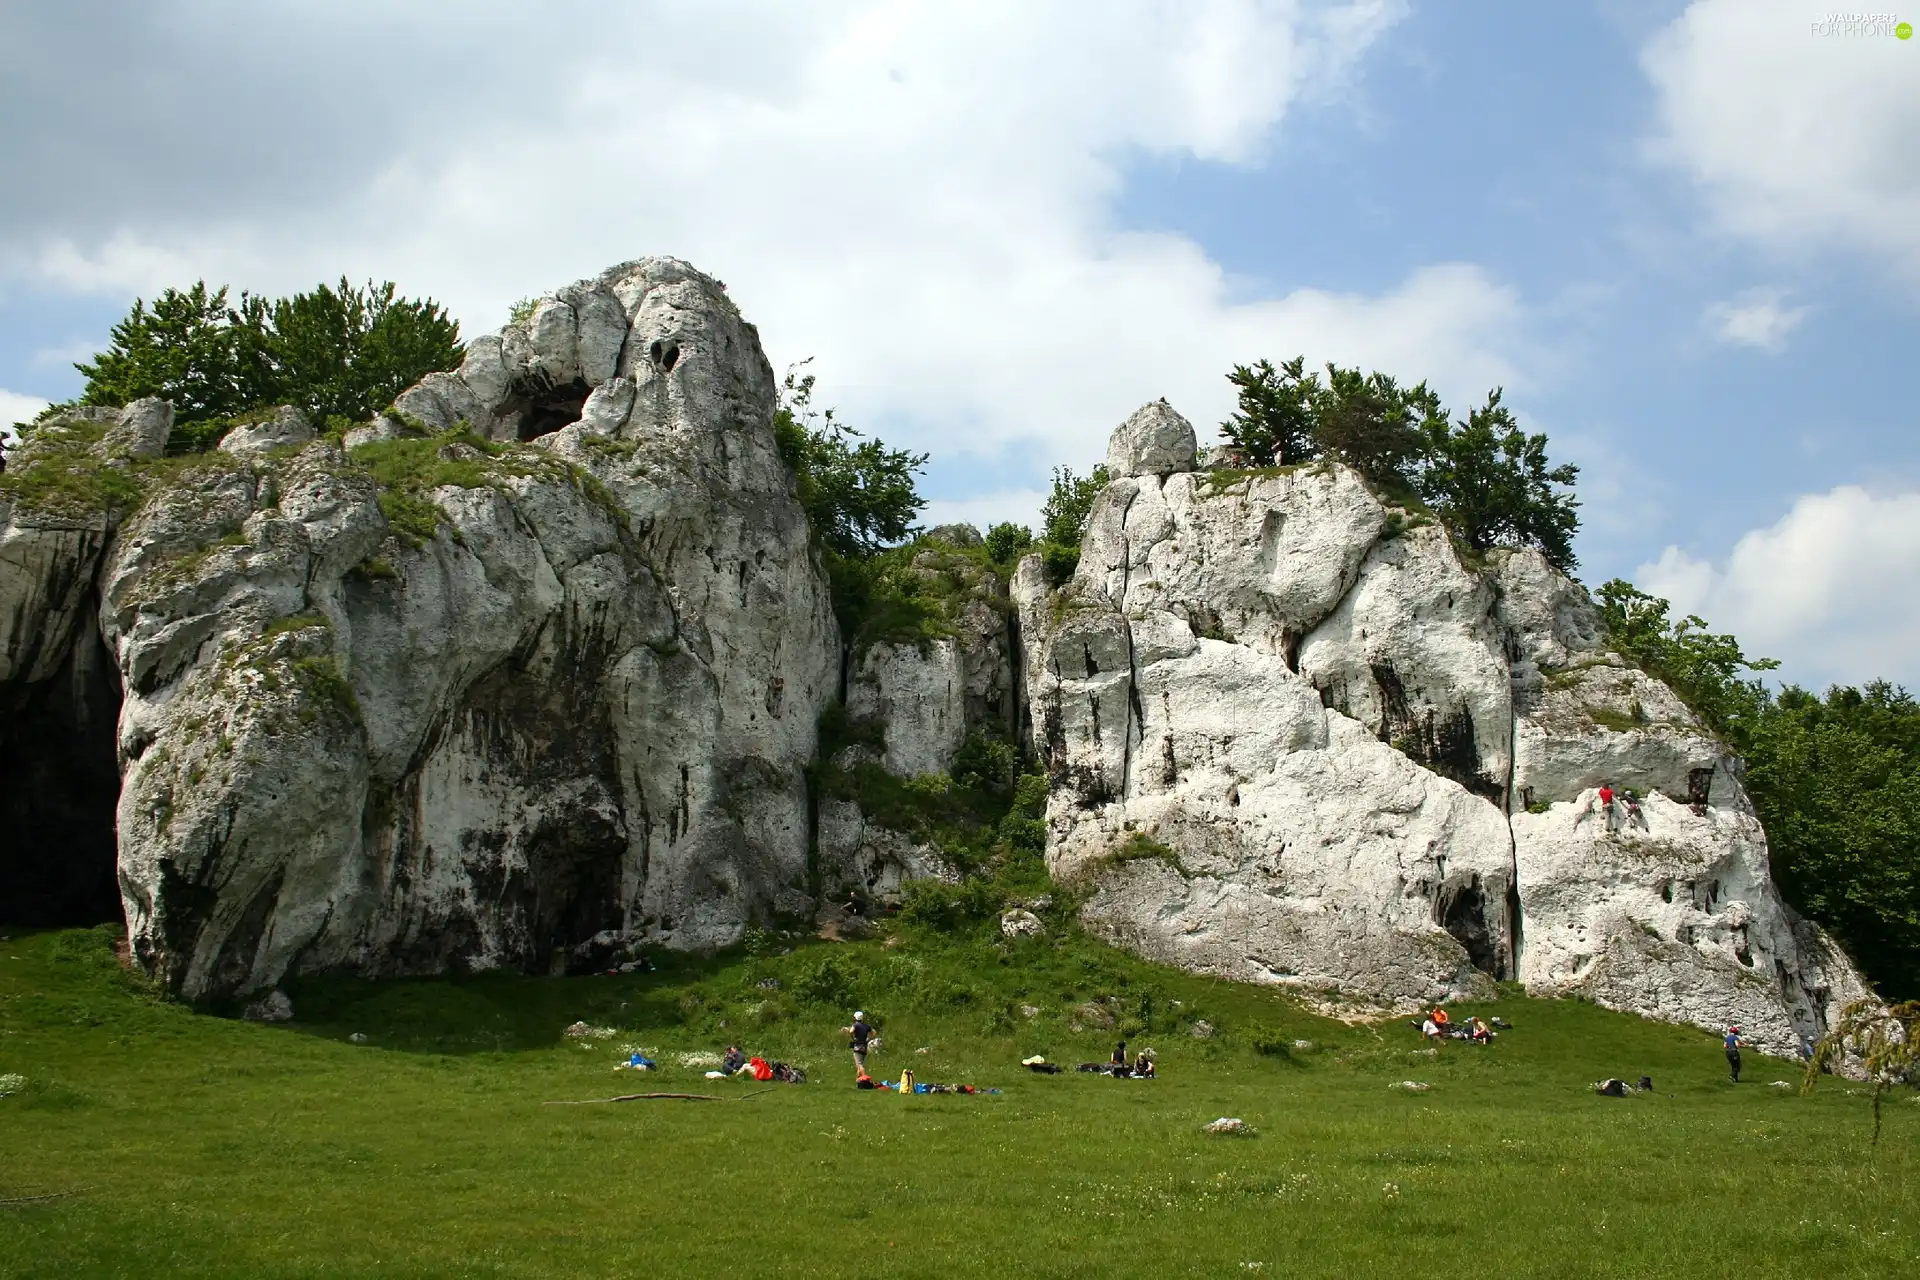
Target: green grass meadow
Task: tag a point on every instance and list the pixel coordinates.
(172, 1142)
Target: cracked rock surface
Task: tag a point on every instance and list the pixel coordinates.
(584, 703)
(1294, 738)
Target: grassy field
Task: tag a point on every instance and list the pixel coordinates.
(191, 1144)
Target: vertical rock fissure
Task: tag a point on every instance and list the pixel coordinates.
(1513, 840)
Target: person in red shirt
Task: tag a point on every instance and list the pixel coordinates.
(1606, 803)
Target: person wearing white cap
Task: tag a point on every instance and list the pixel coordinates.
(860, 1034)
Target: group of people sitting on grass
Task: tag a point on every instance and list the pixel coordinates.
(736, 1063)
(1118, 1066)
(1439, 1025)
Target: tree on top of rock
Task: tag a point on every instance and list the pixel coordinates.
(345, 351)
(859, 495)
(1490, 483)
(1274, 422)
(1373, 424)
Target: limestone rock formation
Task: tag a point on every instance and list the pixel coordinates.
(913, 703)
(559, 685)
(531, 670)
(1294, 738)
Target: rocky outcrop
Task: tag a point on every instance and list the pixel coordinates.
(530, 671)
(913, 703)
(1294, 738)
(527, 693)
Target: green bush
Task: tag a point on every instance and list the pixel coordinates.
(1487, 480)
(1269, 1041)
(859, 496)
(1006, 543)
(824, 979)
(941, 905)
(347, 351)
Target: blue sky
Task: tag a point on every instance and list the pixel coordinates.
(1686, 238)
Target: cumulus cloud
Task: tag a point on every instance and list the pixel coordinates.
(1832, 588)
(16, 408)
(1757, 318)
(1801, 141)
(919, 196)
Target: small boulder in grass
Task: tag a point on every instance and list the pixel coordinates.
(11, 1083)
(1202, 1030)
(1412, 1086)
(272, 1007)
(1232, 1125)
(585, 1031)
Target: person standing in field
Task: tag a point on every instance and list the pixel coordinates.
(859, 1036)
(1733, 1043)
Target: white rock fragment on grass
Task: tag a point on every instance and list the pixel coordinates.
(1029, 1010)
(1411, 1086)
(1202, 1030)
(585, 1031)
(358, 1037)
(1780, 1084)
(1230, 1124)
(12, 1082)
(1020, 923)
(1303, 1046)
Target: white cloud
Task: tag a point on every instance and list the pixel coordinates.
(1757, 318)
(1801, 142)
(1832, 588)
(1021, 506)
(920, 196)
(15, 407)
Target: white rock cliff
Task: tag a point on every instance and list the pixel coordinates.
(1295, 739)
(564, 700)
(580, 708)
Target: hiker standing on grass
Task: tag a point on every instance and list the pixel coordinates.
(1733, 1043)
(859, 1035)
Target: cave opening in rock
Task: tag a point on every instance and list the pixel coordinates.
(665, 353)
(542, 410)
(1462, 911)
(59, 787)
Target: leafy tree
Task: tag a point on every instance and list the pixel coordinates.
(859, 495)
(1887, 1040)
(351, 351)
(348, 352)
(1703, 668)
(1274, 423)
(1007, 542)
(1373, 424)
(1490, 483)
(1063, 519)
(1837, 785)
(188, 348)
